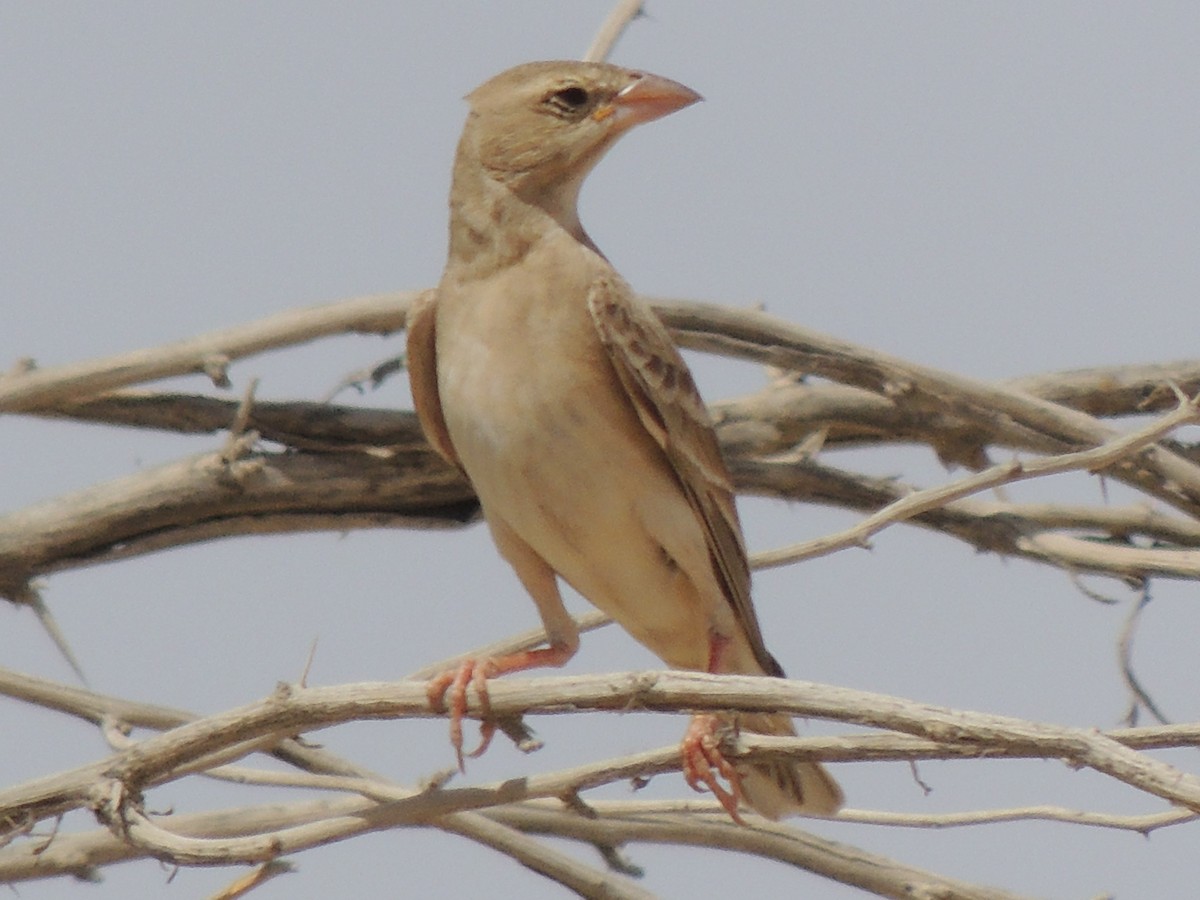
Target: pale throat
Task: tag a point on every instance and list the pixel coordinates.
(495, 223)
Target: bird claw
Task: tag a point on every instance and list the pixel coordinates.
(454, 683)
(703, 762)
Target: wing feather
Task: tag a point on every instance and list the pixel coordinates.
(421, 362)
(659, 385)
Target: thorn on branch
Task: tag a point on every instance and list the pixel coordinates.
(1077, 580)
(520, 734)
(241, 418)
(246, 883)
(21, 366)
(29, 595)
(87, 874)
(116, 732)
(13, 827)
(375, 375)
(241, 439)
(216, 367)
(308, 661)
(913, 769)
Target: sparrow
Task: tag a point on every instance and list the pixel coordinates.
(538, 373)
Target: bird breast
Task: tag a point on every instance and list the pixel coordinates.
(523, 377)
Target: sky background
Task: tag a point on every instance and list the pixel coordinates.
(993, 189)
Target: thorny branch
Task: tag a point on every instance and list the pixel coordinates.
(297, 466)
(113, 787)
(342, 468)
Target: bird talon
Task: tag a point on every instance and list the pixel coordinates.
(453, 684)
(487, 730)
(484, 670)
(703, 762)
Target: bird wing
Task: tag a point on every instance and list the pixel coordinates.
(421, 362)
(660, 387)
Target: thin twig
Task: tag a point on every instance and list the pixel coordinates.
(1095, 459)
(611, 30)
(379, 314)
(1140, 697)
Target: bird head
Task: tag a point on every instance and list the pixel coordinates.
(539, 128)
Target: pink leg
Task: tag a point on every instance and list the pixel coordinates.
(540, 580)
(703, 762)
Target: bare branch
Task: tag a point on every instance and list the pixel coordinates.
(345, 467)
(611, 30)
(837, 861)
(1095, 459)
(26, 390)
(210, 496)
(164, 756)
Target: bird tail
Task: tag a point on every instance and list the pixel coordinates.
(781, 788)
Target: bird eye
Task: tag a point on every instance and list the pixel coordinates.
(568, 100)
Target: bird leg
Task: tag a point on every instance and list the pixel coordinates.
(703, 761)
(454, 683)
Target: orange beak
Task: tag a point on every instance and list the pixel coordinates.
(650, 97)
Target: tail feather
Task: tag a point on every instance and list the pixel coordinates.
(783, 788)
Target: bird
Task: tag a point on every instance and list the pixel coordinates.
(539, 374)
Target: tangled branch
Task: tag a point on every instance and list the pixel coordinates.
(300, 466)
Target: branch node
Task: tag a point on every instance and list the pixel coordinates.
(284, 690)
(244, 472)
(895, 388)
(111, 801)
(436, 780)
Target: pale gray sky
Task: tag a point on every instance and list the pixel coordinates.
(994, 189)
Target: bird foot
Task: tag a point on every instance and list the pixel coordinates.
(704, 764)
(452, 686)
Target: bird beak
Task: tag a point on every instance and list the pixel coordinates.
(650, 97)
